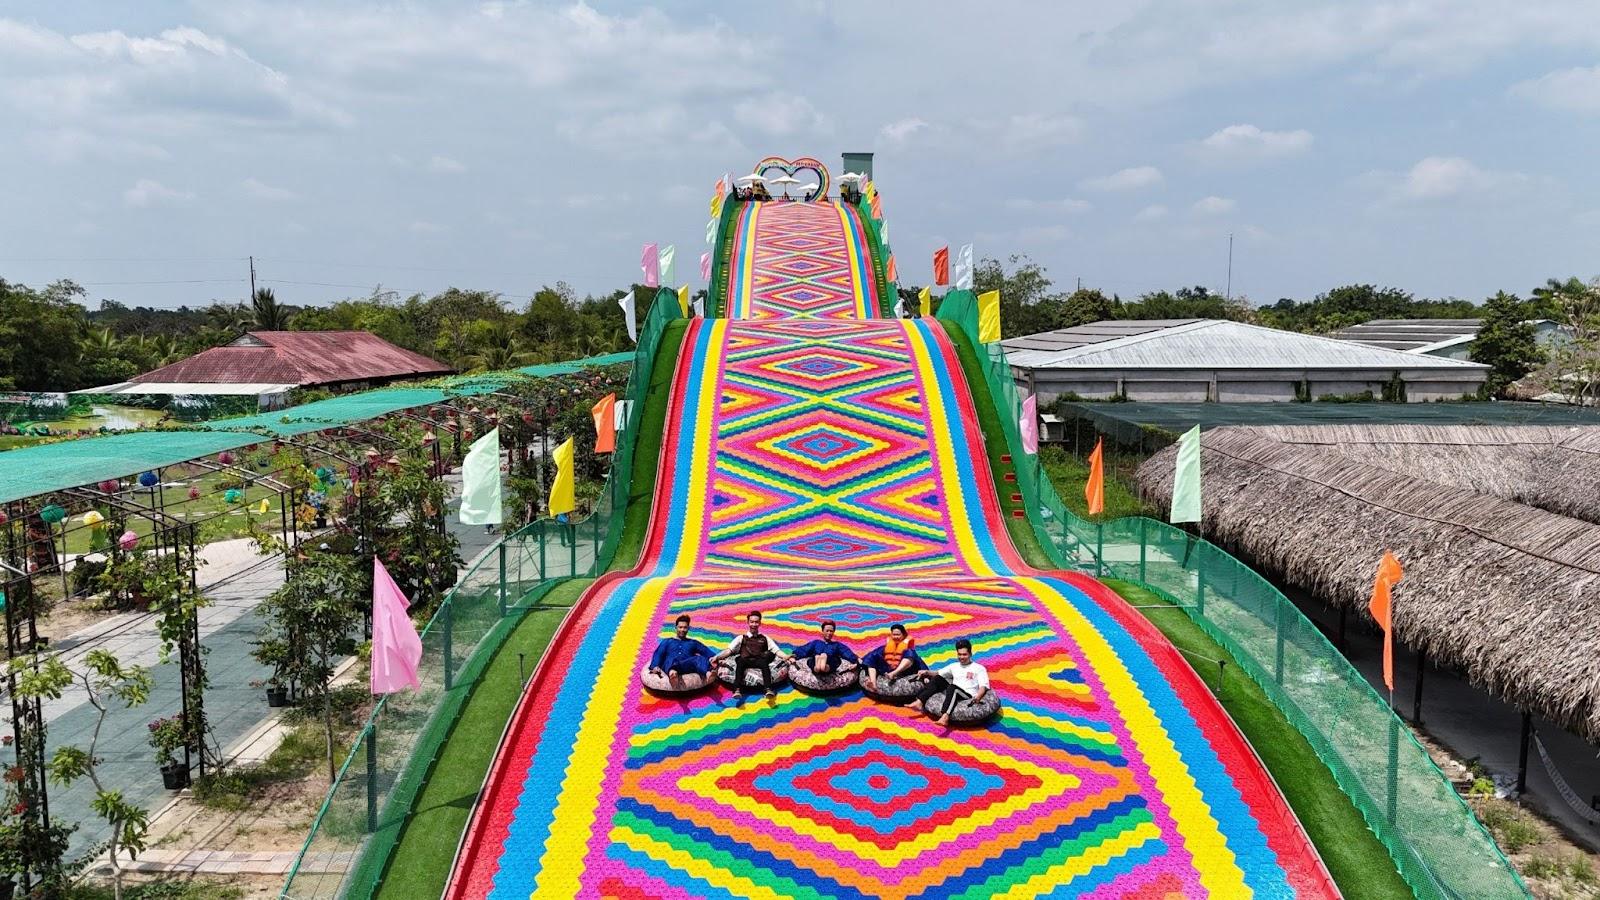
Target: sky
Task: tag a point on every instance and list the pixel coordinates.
(1446, 147)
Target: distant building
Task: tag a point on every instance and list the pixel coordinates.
(1193, 360)
(1449, 338)
(269, 364)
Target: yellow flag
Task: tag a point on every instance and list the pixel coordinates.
(716, 205)
(561, 489)
(683, 300)
(261, 508)
(988, 317)
(925, 298)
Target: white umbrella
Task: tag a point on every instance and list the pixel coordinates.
(783, 179)
(807, 188)
(747, 180)
(851, 177)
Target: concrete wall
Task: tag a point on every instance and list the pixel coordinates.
(1345, 388)
(1424, 391)
(1255, 391)
(1166, 391)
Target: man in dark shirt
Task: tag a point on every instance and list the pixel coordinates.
(751, 651)
(824, 654)
(680, 655)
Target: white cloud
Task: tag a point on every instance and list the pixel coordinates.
(1131, 179)
(446, 165)
(1152, 213)
(149, 192)
(781, 115)
(1568, 90)
(1442, 177)
(1070, 205)
(424, 227)
(1213, 206)
(1036, 131)
(263, 191)
(1044, 234)
(1244, 143)
(901, 130)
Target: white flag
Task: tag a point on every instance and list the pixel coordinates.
(626, 302)
(621, 410)
(665, 264)
(883, 232)
(711, 230)
(700, 306)
(964, 268)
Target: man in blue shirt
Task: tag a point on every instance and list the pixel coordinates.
(680, 655)
(824, 654)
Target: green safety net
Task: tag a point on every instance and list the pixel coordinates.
(365, 811)
(1436, 842)
(43, 468)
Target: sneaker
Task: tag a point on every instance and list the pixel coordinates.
(738, 700)
(772, 696)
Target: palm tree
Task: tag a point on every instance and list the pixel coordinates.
(498, 349)
(269, 316)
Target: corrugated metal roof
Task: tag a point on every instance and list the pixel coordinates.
(1216, 344)
(302, 358)
(194, 388)
(1410, 334)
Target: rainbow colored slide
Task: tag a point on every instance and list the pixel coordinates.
(823, 464)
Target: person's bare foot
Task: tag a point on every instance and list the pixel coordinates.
(872, 683)
(914, 706)
(673, 679)
(944, 721)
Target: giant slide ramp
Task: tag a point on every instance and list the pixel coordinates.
(820, 463)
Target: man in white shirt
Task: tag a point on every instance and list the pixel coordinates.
(962, 679)
(751, 652)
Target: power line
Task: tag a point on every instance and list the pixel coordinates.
(182, 281)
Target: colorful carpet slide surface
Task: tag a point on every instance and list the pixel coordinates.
(823, 469)
(800, 260)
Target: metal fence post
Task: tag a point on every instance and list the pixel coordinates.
(1200, 593)
(502, 577)
(1142, 544)
(372, 776)
(1277, 665)
(1099, 549)
(449, 616)
(1394, 765)
(541, 550)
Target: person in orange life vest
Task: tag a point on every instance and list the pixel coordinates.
(751, 651)
(824, 654)
(897, 657)
(963, 678)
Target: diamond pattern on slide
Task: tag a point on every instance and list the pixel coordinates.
(805, 264)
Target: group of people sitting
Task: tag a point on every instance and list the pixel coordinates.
(753, 652)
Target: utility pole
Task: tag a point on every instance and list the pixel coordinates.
(1229, 295)
(253, 275)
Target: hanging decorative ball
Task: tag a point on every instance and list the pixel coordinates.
(194, 492)
(93, 519)
(324, 474)
(393, 460)
(128, 540)
(225, 458)
(110, 486)
(428, 437)
(527, 417)
(3, 517)
(232, 495)
(149, 479)
(52, 514)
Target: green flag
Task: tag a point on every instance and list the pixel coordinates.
(480, 482)
(1186, 480)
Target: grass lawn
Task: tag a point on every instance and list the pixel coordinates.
(1359, 864)
(421, 861)
(13, 441)
(641, 490)
(1070, 474)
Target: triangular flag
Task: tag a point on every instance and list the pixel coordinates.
(988, 317)
(480, 482)
(964, 268)
(941, 266)
(705, 267)
(1382, 609)
(396, 646)
(711, 230)
(1029, 424)
(1094, 490)
(721, 190)
(877, 207)
(1186, 479)
(925, 302)
(605, 424)
(650, 262)
(893, 271)
(683, 300)
(561, 500)
(667, 271)
(883, 233)
(628, 316)
(716, 206)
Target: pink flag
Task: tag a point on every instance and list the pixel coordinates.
(1030, 424)
(651, 263)
(705, 267)
(396, 647)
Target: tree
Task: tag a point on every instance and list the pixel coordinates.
(1575, 362)
(40, 333)
(1505, 342)
(1085, 305)
(1026, 304)
(316, 613)
(268, 315)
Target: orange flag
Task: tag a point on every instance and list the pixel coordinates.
(941, 266)
(1382, 608)
(893, 273)
(605, 424)
(1095, 490)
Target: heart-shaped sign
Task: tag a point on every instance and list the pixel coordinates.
(792, 167)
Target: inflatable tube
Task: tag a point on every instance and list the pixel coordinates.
(777, 675)
(687, 683)
(898, 690)
(966, 712)
(840, 679)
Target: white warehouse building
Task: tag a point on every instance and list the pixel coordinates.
(1196, 360)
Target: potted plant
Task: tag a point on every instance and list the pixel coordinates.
(166, 736)
(274, 652)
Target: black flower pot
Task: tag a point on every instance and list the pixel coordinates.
(277, 696)
(175, 776)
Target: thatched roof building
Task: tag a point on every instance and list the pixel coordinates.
(1507, 592)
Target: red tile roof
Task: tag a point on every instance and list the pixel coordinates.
(304, 358)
